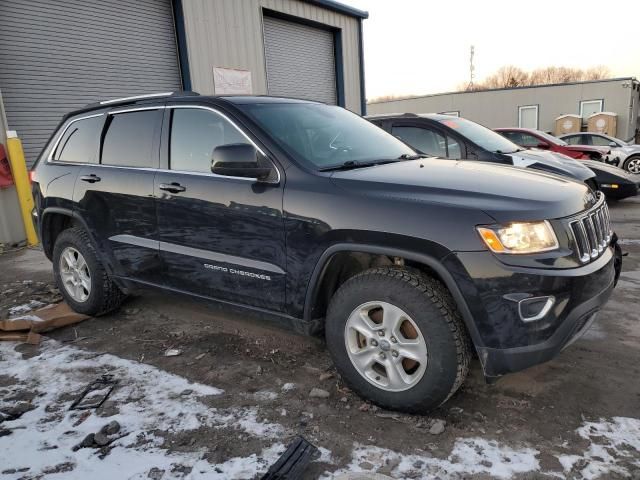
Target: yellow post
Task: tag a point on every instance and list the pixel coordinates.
(23, 185)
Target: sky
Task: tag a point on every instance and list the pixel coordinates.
(415, 47)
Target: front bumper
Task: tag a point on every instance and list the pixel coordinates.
(623, 190)
(504, 341)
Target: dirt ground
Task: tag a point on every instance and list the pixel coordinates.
(592, 383)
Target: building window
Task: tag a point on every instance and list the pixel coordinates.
(454, 113)
(528, 116)
(589, 107)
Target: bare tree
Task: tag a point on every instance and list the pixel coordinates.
(510, 76)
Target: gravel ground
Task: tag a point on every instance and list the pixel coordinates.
(575, 417)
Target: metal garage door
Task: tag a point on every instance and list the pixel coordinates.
(57, 55)
(300, 60)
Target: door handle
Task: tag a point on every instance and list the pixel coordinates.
(172, 187)
(90, 178)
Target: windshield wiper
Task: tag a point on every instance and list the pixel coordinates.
(407, 156)
(351, 164)
(509, 153)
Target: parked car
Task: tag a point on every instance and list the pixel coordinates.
(629, 153)
(613, 181)
(530, 138)
(446, 136)
(308, 213)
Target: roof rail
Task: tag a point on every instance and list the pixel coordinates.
(136, 97)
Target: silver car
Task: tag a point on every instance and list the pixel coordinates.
(628, 153)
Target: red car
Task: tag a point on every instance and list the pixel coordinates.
(530, 138)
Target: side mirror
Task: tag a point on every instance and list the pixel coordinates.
(543, 146)
(239, 160)
(613, 144)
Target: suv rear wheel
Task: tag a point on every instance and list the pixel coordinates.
(80, 276)
(397, 339)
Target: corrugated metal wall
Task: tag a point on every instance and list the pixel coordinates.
(300, 60)
(229, 33)
(57, 55)
(500, 108)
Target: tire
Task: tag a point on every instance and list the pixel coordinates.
(103, 295)
(427, 305)
(632, 164)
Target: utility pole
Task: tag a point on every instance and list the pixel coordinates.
(471, 69)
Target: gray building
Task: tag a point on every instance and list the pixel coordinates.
(532, 107)
(57, 55)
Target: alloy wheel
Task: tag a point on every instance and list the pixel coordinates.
(75, 274)
(386, 346)
(634, 165)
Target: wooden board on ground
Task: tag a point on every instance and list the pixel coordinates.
(26, 327)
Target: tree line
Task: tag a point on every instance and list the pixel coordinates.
(511, 76)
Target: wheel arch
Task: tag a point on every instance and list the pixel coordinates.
(54, 221)
(428, 264)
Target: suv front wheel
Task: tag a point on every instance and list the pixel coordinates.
(397, 339)
(80, 276)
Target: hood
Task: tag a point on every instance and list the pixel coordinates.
(629, 149)
(551, 162)
(503, 192)
(605, 172)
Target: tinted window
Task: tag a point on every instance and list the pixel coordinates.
(481, 136)
(324, 135)
(79, 143)
(194, 135)
(529, 140)
(129, 139)
(453, 149)
(515, 137)
(600, 141)
(574, 140)
(426, 141)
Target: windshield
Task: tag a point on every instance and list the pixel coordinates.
(323, 136)
(551, 138)
(481, 136)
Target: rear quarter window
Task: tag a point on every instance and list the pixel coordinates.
(80, 140)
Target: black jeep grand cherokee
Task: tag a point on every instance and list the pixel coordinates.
(311, 213)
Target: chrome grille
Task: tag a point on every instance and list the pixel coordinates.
(592, 231)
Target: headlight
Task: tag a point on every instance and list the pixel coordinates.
(524, 237)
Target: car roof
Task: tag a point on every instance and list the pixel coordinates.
(516, 129)
(587, 133)
(428, 116)
(153, 99)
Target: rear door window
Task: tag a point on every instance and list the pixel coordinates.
(79, 142)
(129, 139)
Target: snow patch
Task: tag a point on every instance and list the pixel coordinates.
(146, 400)
(469, 456)
(288, 387)
(27, 307)
(614, 448)
(265, 395)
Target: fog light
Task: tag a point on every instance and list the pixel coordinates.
(536, 308)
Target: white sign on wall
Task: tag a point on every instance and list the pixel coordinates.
(231, 81)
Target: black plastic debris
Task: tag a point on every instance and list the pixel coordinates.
(94, 394)
(293, 462)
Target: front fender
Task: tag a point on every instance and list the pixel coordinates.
(432, 256)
